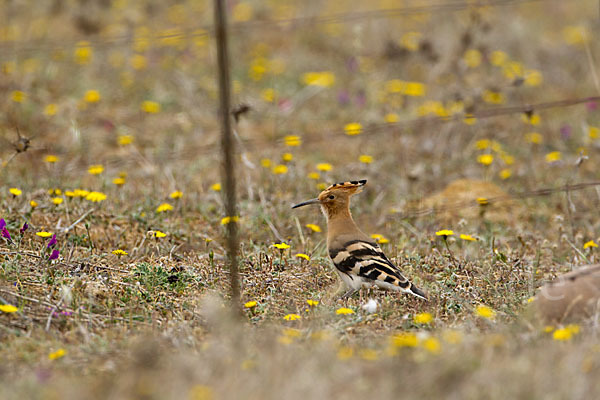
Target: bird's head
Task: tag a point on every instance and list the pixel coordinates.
(336, 198)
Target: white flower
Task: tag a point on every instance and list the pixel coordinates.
(370, 306)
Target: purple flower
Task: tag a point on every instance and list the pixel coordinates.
(54, 254)
(52, 241)
(591, 105)
(2, 223)
(343, 97)
(565, 131)
(24, 228)
(6, 234)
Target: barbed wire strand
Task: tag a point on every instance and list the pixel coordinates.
(415, 212)
(242, 27)
(329, 134)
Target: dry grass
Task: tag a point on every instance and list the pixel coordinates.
(153, 324)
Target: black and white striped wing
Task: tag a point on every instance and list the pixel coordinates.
(367, 261)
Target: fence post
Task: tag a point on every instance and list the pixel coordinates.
(228, 151)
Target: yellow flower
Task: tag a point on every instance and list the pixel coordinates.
(575, 35)
(201, 392)
(432, 345)
(391, 118)
(452, 336)
(44, 234)
(468, 237)
(445, 232)
(379, 238)
(591, 243)
(33, 204)
(312, 303)
(423, 318)
(573, 328)
(410, 40)
(469, 119)
(534, 137)
(91, 96)
(292, 317)
(7, 308)
(228, 220)
(533, 77)
(50, 109)
(529, 118)
(345, 353)
(150, 107)
(472, 58)
(292, 140)
(51, 158)
(15, 192)
(321, 186)
(250, 304)
(553, 156)
(314, 175)
(138, 62)
(124, 140)
(118, 181)
(96, 169)
(322, 79)
(94, 197)
(416, 89)
(593, 132)
(18, 96)
(83, 53)
(287, 157)
(505, 173)
(268, 95)
(242, 12)
(368, 354)
(164, 207)
(280, 170)
(55, 355)
(324, 167)
(216, 187)
(353, 128)
(159, 234)
(483, 144)
(57, 200)
(483, 201)
(562, 335)
(176, 194)
(365, 159)
(313, 227)
(493, 97)
(498, 58)
(405, 339)
(302, 255)
(485, 312)
(81, 193)
(344, 311)
(119, 252)
(485, 159)
(265, 163)
(281, 246)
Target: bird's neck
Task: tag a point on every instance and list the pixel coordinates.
(341, 222)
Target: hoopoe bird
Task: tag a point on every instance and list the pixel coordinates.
(358, 259)
(570, 297)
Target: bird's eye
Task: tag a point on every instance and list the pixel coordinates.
(331, 197)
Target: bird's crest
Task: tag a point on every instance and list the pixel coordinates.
(349, 187)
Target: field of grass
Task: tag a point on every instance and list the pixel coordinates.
(109, 152)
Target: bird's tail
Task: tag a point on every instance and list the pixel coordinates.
(415, 291)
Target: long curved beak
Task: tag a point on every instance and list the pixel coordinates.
(306, 203)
